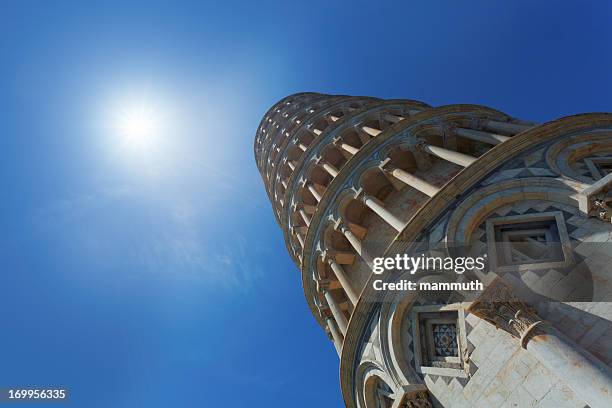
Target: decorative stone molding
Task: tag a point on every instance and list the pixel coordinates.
(603, 210)
(561, 156)
(499, 306)
(416, 399)
(595, 200)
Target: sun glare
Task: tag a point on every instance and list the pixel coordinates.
(139, 126)
(140, 129)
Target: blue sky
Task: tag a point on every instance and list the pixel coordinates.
(160, 278)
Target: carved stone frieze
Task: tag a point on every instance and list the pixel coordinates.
(416, 399)
(499, 306)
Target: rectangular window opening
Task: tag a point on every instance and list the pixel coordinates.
(528, 241)
(439, 339)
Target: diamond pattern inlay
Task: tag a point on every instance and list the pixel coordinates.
(445, 340)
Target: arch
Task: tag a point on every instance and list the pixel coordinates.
(562, 154)
(473, 210)
(374, 182)
(395, 341)
(370, 377)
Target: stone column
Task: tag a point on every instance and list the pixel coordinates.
(452, 156)
(376, 206)
(407, 178)
(479, 136)
(392, 118)
(356, 244)
(304, 216)
(314, 192)
(506, 127)
(299, 237)
(345, 146)
(342, 278)
(338, 340)
(590, 378)
(336, 311)
(371, 131)
(301, 145)
(331, 170)
(351, 149)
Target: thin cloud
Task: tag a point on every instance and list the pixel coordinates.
(168, 244)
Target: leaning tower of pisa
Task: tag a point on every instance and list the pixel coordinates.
(353, 178)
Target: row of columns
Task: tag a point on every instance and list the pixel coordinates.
(304, 147)
(272, 123)
(455, 157)
(338, 325)
(403, 176)
(377, 207)
(297, 142)
(370, 131)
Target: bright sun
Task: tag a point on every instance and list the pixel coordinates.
(139, 126)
